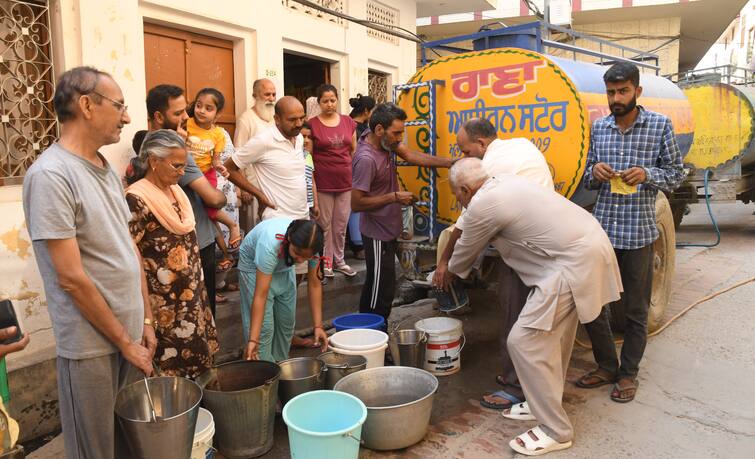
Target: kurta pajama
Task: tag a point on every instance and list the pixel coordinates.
(562, 253)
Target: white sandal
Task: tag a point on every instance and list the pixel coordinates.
(543, 445)
(519, 412)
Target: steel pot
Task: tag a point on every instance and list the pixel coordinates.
(340, 365)
(300, 375)
(399, 403)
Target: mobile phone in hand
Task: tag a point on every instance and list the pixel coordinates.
(8, 319)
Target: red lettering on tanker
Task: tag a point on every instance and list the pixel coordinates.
(509, 80)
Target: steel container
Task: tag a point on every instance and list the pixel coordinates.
(399, 403)
(242, 396)
(340, 365)
(408, 347)
(176, 402)
(300, 375)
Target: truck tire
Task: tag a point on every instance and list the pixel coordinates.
(664, 259)
(664, 262)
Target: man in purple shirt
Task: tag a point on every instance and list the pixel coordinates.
(376, 194)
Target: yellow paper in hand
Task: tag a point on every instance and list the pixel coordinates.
(619, 187)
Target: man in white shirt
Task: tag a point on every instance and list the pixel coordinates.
(559, 250)
(518, 156)
(253, 121)
(277, 154)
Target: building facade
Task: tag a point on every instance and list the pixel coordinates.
(222, 43)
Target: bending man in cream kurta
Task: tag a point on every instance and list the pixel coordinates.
(559, 250)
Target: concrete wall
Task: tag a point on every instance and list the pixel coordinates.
(108, 34)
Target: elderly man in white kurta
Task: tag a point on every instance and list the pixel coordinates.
(559, 250)
(478, 138)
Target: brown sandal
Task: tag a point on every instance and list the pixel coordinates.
(619, 394)
(600, 378)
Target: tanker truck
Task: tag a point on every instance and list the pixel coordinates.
(509, 80)
(721, 160)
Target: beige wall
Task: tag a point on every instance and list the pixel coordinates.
(108, 34)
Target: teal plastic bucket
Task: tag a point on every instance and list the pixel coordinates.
(324, 424)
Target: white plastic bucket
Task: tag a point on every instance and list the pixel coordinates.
(375, 357)
(445, 340)
(203, 433)
(359, 339)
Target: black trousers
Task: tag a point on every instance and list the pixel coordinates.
(636, 268)
(512, 296)
(380, 285)
(207, 255)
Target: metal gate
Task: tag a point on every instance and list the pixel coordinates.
(27, 85)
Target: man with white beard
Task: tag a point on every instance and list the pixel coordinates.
(259, 118)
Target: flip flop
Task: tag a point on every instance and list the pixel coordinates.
(616, 392)
(599, 374)
(537, 446)
(519, 412)
(220, 299)
(224, 265)
(500, 406)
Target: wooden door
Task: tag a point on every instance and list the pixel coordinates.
(193, 62)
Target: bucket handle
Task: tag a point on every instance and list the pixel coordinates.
(396, 327)
(350, 435)
(463, 342)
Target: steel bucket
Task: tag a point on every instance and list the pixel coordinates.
(399, 403)
(300, 375)
(242, 396)
(339, 366)
(176, 402)
(408, 347)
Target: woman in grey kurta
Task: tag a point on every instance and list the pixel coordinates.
(559, 250)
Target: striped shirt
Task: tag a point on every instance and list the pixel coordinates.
(629, 219)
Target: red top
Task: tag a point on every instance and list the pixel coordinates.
(332, 154)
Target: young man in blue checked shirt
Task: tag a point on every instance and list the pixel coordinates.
(633, 154)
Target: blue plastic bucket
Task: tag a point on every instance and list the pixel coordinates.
(324, 424)
(359, 320)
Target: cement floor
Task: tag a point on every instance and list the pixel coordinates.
(696, 382)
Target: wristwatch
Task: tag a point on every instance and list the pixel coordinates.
(150, 322)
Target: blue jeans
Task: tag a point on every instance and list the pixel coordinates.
(355, 236)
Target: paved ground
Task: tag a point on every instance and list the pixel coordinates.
(696, 383)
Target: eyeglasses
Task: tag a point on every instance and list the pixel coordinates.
(119, 105)
(176, 167)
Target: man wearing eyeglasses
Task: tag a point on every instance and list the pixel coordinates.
(77, 218)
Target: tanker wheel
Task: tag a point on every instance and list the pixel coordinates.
(664, 262)
(664, 259)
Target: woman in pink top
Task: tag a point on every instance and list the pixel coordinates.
(334, 140)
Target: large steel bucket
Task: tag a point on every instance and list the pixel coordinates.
(176, 402)
(242, 396)
(399, 403)
(408, 348)
(340, 365)
(300, 375)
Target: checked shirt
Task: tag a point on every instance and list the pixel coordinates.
(629, 220)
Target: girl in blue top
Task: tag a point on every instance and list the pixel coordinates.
(268, 285)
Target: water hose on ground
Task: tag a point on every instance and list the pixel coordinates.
(683, 311)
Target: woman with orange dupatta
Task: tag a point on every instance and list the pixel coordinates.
(162, 226)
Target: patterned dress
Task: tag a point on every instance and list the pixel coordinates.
(186, 333)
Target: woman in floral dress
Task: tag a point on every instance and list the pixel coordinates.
(162, 226)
